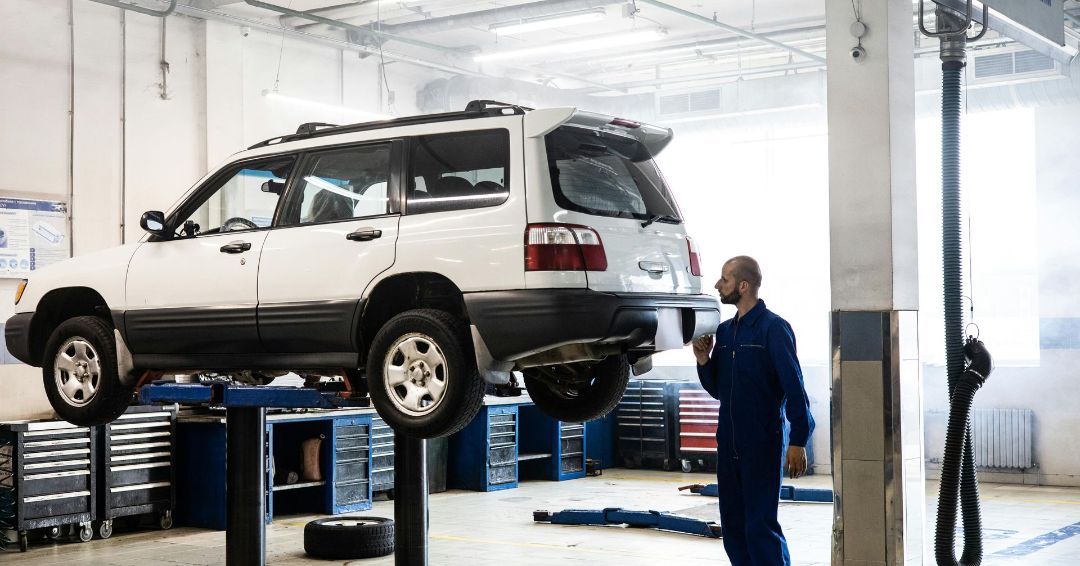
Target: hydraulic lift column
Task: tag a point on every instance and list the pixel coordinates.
(246, 471)
(410, 501)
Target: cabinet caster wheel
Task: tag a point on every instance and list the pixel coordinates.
(52, 533)
(105, 529)
(687, 467)
(24, 541)
(166, 521)
(86, 532)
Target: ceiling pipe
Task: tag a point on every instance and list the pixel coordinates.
(321, 39)
(735, 30)
(139, 9)
(485, 18)
(361, 30)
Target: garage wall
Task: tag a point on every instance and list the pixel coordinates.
(83, 112)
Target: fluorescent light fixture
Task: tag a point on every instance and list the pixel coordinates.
(361, 114)
(576, 46)
(526, 25)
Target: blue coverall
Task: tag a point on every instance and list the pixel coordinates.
(755, 374)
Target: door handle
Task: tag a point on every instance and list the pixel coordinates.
(236, 247)
(364, 235)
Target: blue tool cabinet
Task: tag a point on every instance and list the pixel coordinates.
(484, 455)
(345, 463)
(550, 449)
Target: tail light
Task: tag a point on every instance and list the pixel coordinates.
(563, 247)
(695, 259)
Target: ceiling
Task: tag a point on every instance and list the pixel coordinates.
(632, 47)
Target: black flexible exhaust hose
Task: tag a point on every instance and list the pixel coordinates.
(958, 466)
(958, 469)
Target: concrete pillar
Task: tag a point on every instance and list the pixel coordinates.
(877, 391)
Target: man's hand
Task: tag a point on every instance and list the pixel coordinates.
(796, 461)
(702, 347)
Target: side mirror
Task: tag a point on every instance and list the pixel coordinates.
(153, 221)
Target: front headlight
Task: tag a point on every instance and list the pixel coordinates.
(19, 291)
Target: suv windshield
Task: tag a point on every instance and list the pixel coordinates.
(607, 174)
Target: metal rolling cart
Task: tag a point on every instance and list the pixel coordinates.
(136, 473)
(47, 469)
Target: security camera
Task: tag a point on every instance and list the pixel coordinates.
(858, 53)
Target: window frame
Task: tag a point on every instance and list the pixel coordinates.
(214, 184)
(409, 176)
(292, 197)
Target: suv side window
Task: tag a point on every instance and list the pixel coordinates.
(341, 184)
(244, 198)
(458, 171)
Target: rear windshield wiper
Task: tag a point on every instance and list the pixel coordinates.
(661, 218)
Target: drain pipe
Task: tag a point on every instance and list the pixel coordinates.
(958, 479)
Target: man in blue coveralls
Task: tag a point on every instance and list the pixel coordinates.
(754, 372)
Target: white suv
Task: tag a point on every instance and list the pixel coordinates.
(419, 257)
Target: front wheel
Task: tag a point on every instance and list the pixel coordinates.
(422, 374)
(80, 374)
(581, 391)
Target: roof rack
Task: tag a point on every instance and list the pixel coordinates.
(474, 109)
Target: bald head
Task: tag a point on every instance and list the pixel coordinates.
(745, 268)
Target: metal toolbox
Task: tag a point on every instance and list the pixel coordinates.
(698, 415)
(352, 465)
(47, 470)
(645, 418)
(382, 456)
(137, 475)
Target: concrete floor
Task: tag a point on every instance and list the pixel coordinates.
(1036, 523)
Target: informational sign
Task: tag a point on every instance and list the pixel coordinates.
(33, 234)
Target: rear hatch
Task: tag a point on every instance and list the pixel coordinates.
(603, 173)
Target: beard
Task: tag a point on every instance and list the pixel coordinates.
(731, 299)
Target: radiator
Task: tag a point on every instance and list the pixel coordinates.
(1003, 438)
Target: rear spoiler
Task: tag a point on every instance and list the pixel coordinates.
(539, 123)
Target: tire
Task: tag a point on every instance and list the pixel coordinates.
(88, 364)
(347, 538)
(426, 347)
(606, 383)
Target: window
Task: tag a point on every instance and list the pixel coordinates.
(459, 171)
(341, 185)
(246, 200)
(607, 174)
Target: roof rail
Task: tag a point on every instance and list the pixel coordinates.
(475, 109)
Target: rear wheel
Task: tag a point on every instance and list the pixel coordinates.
(580, 391)
(422, 374)
(80, 374)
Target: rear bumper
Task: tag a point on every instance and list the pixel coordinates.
(515, 324)
(17, 335)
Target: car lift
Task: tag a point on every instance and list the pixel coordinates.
(787, 493)
(660, 520)
(247, 464)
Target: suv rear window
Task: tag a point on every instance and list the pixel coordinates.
(607, 174)
(459, 171)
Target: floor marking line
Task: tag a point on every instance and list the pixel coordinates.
(1040, 542)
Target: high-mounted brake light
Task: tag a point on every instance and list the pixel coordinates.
(625, 123)
(695, 258)
(563, 247)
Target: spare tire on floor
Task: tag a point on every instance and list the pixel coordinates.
(345, 538)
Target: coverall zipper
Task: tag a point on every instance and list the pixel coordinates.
(731, 393)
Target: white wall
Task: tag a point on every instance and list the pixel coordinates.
(83, 102)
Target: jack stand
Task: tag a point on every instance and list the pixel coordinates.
(410, 501)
